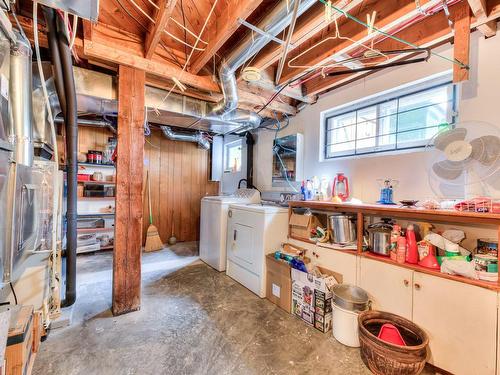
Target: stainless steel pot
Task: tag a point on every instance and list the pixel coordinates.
(350, 297)
(380, 237)
(343, 229)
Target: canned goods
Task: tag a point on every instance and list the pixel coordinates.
(486, 263)
(487, 246)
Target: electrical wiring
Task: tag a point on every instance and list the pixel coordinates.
(186, 29)
(73, 33)
(13, 292)
(153, 4)
(192, 51)
(142, 11)
(388, 35)
(176, 61)
(183, 42)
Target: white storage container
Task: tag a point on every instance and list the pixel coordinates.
(345, 326)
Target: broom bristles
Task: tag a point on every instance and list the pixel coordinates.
(153, 240)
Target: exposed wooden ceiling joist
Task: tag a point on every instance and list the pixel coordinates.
(480, 10)
(429, 34)
(389, 16)
(155, 33)
(225, 26)
(308, 25)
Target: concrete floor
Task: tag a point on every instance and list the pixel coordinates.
(193, 320)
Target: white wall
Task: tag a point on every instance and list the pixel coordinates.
(479, 100)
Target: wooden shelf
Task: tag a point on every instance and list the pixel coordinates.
(96, 165)
(96, 198)
(445, 216)
(97, 182)
(481, 283)
(448, 216)
(95, 230)
(97, 214)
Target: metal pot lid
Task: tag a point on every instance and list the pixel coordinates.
(380, 227)
(350, 293)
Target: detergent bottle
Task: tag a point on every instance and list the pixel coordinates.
(411, 245)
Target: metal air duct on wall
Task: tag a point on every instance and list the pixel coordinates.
(21, 132)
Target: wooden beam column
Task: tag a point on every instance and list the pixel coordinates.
(461, 47)
(128, 216)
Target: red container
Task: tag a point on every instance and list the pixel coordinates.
(83, 177)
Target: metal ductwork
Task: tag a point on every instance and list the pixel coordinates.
(273, 24)
(176, 136)
(21, 132)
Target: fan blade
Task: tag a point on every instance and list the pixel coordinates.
(445, 138)
(486, 149)
(447, 169)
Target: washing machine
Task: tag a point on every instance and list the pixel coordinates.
(213, 225)
(253, 230)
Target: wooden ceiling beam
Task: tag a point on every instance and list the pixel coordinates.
(480, 10)
(390, 14)
(308, 24)
(225, 25)
(432, 32)
(155, 33)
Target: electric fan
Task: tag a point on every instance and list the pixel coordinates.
(465, 161)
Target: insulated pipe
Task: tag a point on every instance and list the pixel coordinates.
(196, 138)
(71, 122)
(90, 122)
(50, 20)
(21, 133)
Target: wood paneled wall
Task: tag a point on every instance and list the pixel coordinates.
(179, 173)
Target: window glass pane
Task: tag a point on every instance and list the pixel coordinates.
(424, 98)
(233, 157)
(402, 122)
(342, 120)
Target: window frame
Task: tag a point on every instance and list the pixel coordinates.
(375, 101)
(233, 144)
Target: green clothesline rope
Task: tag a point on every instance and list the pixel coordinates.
(355, 19)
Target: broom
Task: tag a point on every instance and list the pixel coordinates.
(153, 240)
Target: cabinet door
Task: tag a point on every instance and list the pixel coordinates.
(389, 287)
(461, 321)
(338, 261)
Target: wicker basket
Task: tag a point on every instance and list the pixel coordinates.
(384, 358)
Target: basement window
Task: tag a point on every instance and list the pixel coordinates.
(401, 120)
(232, 156)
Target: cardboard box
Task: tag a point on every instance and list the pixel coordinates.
(278, 283)
(312, 299)
(301, 225)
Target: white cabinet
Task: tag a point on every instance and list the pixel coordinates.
(389, 287)
(461, 321)
(338, 261)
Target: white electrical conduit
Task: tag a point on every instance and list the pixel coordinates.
(190, 55)
(185, 28)
(153, 4)
(52, 132)
(183, 42)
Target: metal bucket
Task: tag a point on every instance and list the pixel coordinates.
(350, 297)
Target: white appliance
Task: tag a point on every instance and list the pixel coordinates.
(253, 231)
(213, 225)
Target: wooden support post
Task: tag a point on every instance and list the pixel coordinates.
(128, 216)
(462, 20)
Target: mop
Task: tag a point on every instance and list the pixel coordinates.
(153, 240)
